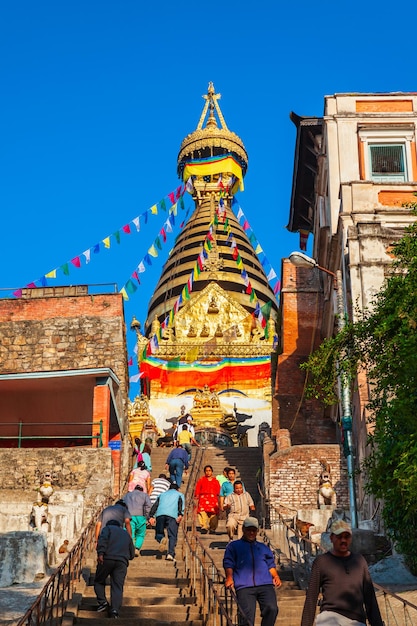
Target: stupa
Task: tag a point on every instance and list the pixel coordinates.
(212, 317)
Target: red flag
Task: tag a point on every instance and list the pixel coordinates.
(178, 193)
(76, 261)
(130, 361)
(171, 197)
(303, 239)
(163, 233)
(126, 229)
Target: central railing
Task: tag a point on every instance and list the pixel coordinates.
(218, 604)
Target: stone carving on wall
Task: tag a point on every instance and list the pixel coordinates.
(326, 495)
(39, 516)
(47, 480)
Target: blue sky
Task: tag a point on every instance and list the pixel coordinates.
(97, 96)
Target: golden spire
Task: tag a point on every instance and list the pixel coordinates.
(211, 102)
(211, 140)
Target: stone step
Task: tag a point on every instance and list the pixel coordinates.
(142, 621)
(156, 590)
(151, 597)
(130, 588)
(162, 612)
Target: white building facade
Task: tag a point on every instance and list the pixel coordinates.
(355, 170)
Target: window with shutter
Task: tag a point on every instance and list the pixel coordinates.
(387, 152)
(387, 162)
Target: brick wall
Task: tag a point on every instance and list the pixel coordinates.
(294, 475)
(302, 303)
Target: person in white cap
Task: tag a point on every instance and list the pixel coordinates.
(250, 569)
(342, 577)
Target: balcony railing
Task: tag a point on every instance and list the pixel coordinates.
(73, 439)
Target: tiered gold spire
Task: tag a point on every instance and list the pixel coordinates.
(205, 145)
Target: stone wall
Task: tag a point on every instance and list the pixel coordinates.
(60, 333)
(85, 470)
(83, 483)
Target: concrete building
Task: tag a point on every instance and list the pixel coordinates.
(63, 382)
(355, 169)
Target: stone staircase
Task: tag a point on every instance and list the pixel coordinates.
(158, 592)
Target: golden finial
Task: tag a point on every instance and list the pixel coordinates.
(214, 136)
(211, 98)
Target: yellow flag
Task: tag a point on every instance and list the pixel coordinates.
(192, 354)
(152, 251)
(51, 274)
(106, 242)
(154, 210)
(124, 293)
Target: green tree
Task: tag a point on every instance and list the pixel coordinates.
(384, 343)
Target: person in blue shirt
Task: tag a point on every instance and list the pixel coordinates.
(167, 512)
(227, 486)
(176, 463)
(250, 569)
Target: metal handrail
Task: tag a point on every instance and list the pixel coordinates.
(395, 610)
(19, 437)
(50, 606)
(218, 604)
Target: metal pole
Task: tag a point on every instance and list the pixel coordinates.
(346, 410)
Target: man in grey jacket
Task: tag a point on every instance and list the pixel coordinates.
(139, 505)
(114, 551)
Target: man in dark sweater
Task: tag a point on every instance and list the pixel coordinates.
(114, 551)
(345, 583)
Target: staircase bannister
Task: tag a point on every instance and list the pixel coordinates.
(395, 610)
(218, 604)
(49, 607)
